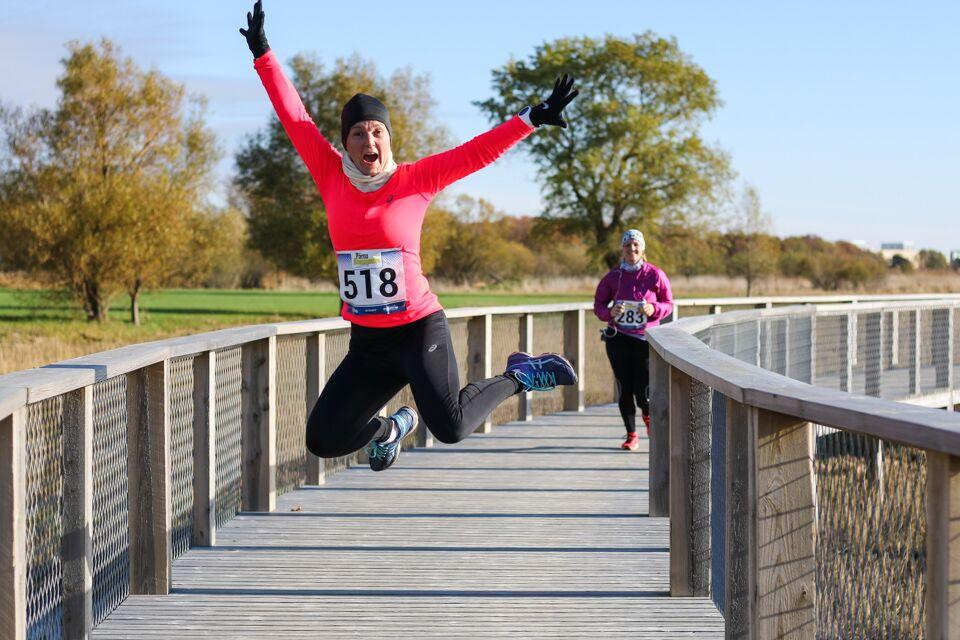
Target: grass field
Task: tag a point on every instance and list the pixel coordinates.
(38, 328)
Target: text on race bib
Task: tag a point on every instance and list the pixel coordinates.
(371, 281)
(632, 316)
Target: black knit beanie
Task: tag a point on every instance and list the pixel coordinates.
(359, 108)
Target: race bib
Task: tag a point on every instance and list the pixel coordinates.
(632, 316)
(371, 281)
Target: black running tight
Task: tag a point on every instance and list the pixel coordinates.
(379, 363)
(629, 358)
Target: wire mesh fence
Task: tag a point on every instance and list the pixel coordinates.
(871, 537)
(600, 385)
(44, 526)
(548, 337)
(181, 454)
(228, 430)
(111, 534)
(869, 493)
(291, 412)
(338, 342)
(505, 340)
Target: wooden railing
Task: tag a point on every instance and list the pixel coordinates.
(113, 464)
(792, 468)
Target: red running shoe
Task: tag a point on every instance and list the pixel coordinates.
(632, 443)
(646, 421)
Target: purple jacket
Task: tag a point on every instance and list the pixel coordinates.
(649, 283)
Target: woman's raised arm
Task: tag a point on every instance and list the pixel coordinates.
(315, 151)
(434, 173)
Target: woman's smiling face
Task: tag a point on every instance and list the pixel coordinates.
(368, 144)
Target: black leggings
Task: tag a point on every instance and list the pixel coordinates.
(629, 358)
(379, 363)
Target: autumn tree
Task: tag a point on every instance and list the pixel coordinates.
(752, 252)
(633, 155)
(287, 219)
(479, 245)
(101, 192)
(932, 260)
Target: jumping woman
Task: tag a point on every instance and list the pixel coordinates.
(399, 333)
(630, 299)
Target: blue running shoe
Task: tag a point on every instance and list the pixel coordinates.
(540, 373)
(382, 455)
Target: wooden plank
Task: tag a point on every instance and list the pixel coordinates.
(77, 544)
(480, 355)
(259, 431)
(659, 437)
(740, 523)
(204, 449)
(526, 344)
(916, 363)
(681, 516)
(316, 378)
(574, 350)
(943, 547)
(148, 466)
(461, 528)
(13, 525)
(786, 526)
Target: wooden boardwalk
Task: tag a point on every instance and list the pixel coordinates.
(537, 530)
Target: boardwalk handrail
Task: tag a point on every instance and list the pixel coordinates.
(115, 463)
(774, 473)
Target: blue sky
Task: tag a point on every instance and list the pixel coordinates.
(843, 115)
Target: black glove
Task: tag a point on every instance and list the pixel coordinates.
(256, 39)
(551, 111)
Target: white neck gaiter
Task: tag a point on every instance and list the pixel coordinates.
(364, 182)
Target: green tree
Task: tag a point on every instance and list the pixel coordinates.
(287, 219)
(101, 193)
(933, 260)
(751, 251)
(633, 154)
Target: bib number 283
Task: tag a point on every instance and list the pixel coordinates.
(371, 281)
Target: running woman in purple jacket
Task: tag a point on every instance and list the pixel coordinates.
(630, 298)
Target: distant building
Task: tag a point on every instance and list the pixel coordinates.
(906, 250)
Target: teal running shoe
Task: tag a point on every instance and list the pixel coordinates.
(540, 373)
(382, 455)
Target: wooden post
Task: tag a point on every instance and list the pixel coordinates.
(480, 355)
(148, 465)
(740, 523)
(574, 350)
(316, 377)
(943, 546)
(849, 349)
(659, 500)
(526, 344)
(917, 353)
(786, 526)
(77, 543)
(681, 519)
(894, 338)
(813, 351)
(951, 346)
(13, 526)
(259, 430)
(205, 449)
(715, 309)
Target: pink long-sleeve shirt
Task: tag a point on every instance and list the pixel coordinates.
(647, 284)
(377, 235)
